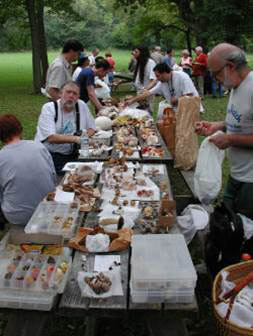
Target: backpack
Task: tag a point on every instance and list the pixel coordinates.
(224, 243)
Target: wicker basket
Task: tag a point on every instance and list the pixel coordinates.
(237, 273)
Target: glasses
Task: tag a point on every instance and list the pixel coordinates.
(215, 74)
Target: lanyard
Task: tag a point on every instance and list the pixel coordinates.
(171, 88)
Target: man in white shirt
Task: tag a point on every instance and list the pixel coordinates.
(60, 70)
(92, 57)
(60, 124)
(171, 85)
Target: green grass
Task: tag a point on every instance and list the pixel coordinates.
(16, 89)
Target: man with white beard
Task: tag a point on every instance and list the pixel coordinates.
(61, 123)
(228, 65)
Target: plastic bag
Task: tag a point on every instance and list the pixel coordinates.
(193, 218)
(208, 173)
(102, 92)
(97, 243)
(162, 105)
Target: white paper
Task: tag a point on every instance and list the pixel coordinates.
(147, 168)
(63, 196)
(95, 166)
(104, 262)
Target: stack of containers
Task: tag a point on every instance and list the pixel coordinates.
(161, 269)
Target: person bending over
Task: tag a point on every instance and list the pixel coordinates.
(171, 85)
(86, 81)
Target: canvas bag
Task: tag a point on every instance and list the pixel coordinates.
(186, 150)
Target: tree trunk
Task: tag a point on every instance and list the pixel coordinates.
(188, 41)
(39, 57)
(43, 43)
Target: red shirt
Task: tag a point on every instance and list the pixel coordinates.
(111, 61)
(199, 69)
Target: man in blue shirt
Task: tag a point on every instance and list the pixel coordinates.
(86, 81)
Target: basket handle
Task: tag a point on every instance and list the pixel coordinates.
(244, 282)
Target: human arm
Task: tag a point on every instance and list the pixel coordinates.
(57, 76)
(174, 100)
(63, 138)
(87, 121)
(207, 128)
(93, 97)
(224, 141)
(151, 84)
(142, 96)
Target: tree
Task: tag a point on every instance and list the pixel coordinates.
(34, 11)
(208, 21)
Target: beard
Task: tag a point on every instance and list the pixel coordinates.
(69, 105)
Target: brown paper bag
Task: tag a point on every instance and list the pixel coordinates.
(167, 128)
(119, 240)
(186, 151)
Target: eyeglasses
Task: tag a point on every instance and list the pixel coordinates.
(216, 73)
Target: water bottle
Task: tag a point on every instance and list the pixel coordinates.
(84, 144)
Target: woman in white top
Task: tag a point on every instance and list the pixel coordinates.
(144, 76)
(83, 62)
(186, 62)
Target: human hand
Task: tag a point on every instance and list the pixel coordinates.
(222, 141)
(77, 139)
(205, 128)
(128, 102)
(90, 132)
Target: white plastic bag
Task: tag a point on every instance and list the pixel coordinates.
(208, 173)
(98, 243)
(162, 105)
(102, 92)
(193, 218)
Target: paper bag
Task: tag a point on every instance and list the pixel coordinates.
(186, 151)
(167, 129)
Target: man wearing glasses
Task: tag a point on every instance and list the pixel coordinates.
(228, 65)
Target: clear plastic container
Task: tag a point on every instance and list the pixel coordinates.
(38, 273)
(161, 263)
(161, 297)
(54, 218)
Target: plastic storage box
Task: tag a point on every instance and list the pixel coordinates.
(31, 281)
(161, 269)
(54, 218)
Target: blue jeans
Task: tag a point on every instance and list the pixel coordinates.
(216, 86)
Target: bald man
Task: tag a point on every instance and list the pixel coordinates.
(228, 65)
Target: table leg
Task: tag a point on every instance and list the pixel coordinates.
(166, 326)
(26, 323)
(91, 326)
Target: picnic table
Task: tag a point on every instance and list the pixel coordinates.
(159, 317)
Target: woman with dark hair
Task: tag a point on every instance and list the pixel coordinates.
(82, 63)
(27, 173)
(144, 76)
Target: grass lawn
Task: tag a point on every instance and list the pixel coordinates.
(17, 98)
